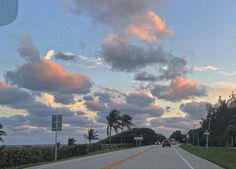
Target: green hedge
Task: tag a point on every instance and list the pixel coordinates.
(10, 157)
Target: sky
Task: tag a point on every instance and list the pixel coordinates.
(160, 61)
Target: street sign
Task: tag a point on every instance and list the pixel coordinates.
(56, 122)
(206, 132)
(138, 138)
(56, 126)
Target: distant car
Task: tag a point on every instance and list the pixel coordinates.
(166, 143)
(173, 143)
(158, 143)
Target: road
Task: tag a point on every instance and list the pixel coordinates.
(147, 157)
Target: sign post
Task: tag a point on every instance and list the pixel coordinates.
(138, 141)
(56, 126)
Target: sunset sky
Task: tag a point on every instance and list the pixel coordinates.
(160, 61)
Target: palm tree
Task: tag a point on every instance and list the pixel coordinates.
(92, 135)
(2, 133)
(126, 121)
(71, 141)
(113, 122)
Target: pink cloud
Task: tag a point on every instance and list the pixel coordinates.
(150, 29)
(45, 75)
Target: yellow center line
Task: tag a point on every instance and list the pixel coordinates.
(119, 162)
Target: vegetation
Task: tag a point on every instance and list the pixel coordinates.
(113, 122)
(222, 156)
(178, 136)
(126, 121)
(71, 141)
(149, 136)
(15, 156)
(92, 135)
(222, 119)
(2, 133)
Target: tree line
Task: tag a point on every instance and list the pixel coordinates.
(220, 122)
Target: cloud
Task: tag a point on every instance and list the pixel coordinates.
(194, 109)
(176, 123)
(207, 68)
(88, 98)
(131, 18)
(179, 89)
(139, 105)
(123, 56)
(27, 49)
(47, 76)
(67, 56)
(145, 76)
(139, 99)
(151, 30)
(49, 54)
(94, 105)
(174, 67)
(212, 68)
(126, 57)
(103, 97)
(63, 98)
(11, 95)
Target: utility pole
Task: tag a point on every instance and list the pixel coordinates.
(209, 131)
(194, 133)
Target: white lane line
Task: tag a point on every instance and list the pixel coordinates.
(190, 166)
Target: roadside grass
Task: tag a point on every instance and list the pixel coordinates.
(223, 156)
(64, 159)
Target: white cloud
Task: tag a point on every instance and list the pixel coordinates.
(49, 54)
(212, 68)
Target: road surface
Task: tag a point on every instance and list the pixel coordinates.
(147, 157)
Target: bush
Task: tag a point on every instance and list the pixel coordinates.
(28, 155)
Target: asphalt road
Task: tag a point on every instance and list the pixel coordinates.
(148, 157)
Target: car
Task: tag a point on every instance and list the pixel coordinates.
(158, 143)
(173, 143)
(166, 143)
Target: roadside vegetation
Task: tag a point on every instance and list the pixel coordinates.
(2, 133)
(223, 156)
(221, 121)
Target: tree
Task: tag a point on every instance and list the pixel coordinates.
(221, 122)
(2, 133)
(92, 135)
(177, 135)
(126, 121)
(149, 136)
(231, 130)
(71, 141)
(113, 122)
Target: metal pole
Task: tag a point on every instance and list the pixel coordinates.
(207, 141)
(56, 141)
(209, 130)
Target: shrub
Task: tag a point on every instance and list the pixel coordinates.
(27, 155)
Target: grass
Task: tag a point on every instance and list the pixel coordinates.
(223, 156)
(64, 159)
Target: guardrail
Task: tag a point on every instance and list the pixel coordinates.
(114, 146)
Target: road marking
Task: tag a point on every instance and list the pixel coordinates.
(119, 162)
(190, 166)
